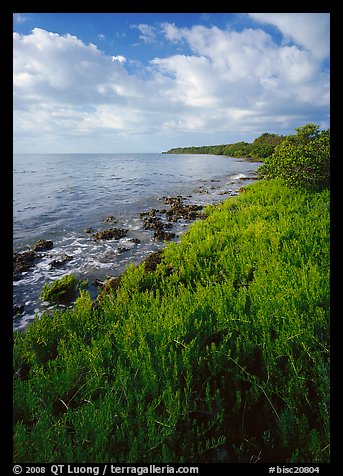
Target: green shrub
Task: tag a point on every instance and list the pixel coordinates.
(64, 290)
(301, 160)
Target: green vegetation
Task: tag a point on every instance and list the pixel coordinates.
(63, 290)
(302, 159)
(262, 147)
(220, 352)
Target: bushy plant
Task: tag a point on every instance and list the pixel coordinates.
(301, 160)
(62, 290)
(221, 353)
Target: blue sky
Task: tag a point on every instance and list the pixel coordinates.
(143, 82)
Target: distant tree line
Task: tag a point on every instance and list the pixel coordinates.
(261, 148)
(301, 159)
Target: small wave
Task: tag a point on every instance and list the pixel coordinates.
(238, 176)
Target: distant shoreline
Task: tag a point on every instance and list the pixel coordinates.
(245, 157)
(256, 151)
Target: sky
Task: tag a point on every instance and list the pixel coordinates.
(147, 82)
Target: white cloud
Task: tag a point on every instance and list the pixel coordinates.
(231, 81)
(171, 32)
(309, 30)
(231, 69)
(148, 32)
(19, 18)
(119, 58)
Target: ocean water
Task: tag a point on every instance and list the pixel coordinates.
(58, 196)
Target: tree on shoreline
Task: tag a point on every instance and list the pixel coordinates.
(301, 160)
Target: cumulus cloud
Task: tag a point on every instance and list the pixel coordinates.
(63, 86)
(148, 32)
(228, 81)
(243, 71)
(119, 58)
(309, 30)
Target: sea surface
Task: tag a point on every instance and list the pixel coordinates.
(60, 197)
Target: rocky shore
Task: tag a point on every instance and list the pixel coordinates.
(159, 222)
(101, 251)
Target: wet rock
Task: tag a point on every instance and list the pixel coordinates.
(110, 234)
(22, 262)
(111, 284)
(98, 282)
(18, 309)
(201, 190)
(43, 245)
(179, 211)
(152, 223)
(135, 240)
(109, 219)
(122, 249)
(110, 255)
(163, 235)
(61, 260)
(174, 200)
(156, 224)
(152, 261)
(151, 213)
(88, 230)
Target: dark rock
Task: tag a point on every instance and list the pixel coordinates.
(61, 260)
(122, 249)
(109, 219)
(173, 200)
(110, 234)
(18, 309)
(156, 224)
(179, 211)
(152, 261)
(98, 282)
(110, 255)
(22, 262)
(112, 284)
(109, 285)
(153, 223)
(163, 235)
(43, 245)
(135, 240)
(168, 225)
(201, 190)
(88, 230)
(150, 213)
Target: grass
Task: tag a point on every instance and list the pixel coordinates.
(220, 354)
